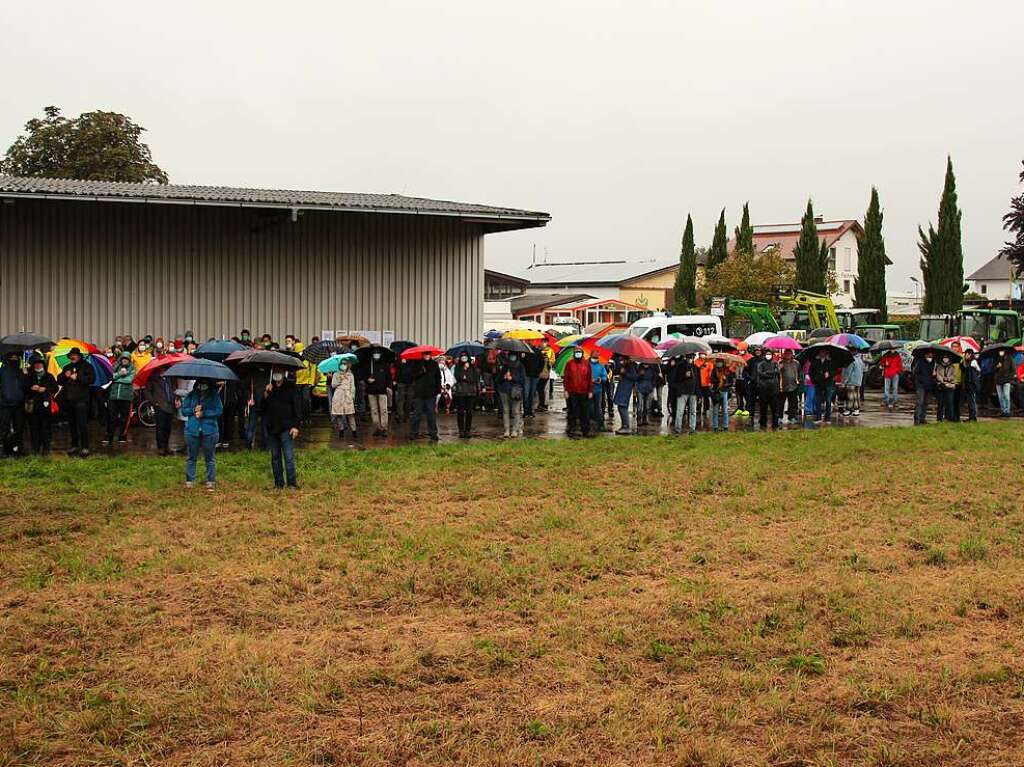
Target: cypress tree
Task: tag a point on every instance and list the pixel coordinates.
(942, 255)
(869, 287)
(811, 257)
(745, 233)
(719, 245)
(686, 277)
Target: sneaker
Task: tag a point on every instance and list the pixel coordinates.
(622, 432)
(506, 435)
(83, 453)
(104, 442)
(209, 487)
(293, 487)
(856, 412)
(73, 452)
(189, 485)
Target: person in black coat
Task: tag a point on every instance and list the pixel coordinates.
(281, 407)
(467, 387)
(377, 377)
(75, 382)
(40, 390)
(12, 405)
(924, 385)
(426, 386)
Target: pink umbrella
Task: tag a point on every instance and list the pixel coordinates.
(667, 344)
(781, 343)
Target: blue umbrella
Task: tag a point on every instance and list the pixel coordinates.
(491, 335)
(331, 364)
(205, 369)
(217, 351)
(472, 348)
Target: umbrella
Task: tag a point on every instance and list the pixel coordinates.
(630, 346)
(821, 334)
(472, 348)
(509, 345)
(682, 348)
(101, 366)
(365, 355)
(331, 364)
(218, 351)
(667, 344)
(702, 343)
(23, 342)
(349, 340)
(200, 369)
(989, 351)
(937, 349)
(781, 343)
(570, 340)
(155, 366)
(887, 345)
(966, 342)
(716, 341)
(266, 358)
(70, 343)
(321, 350)
(400, 346)
(525, 335)
(492, 335)
(849, 339)
(759, 339)
(566, 354)
(729, 359)
(417, 352)
(840, 355)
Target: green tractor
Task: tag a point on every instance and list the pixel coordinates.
(746, 317)
(987, 326)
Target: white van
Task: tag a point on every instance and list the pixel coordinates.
(658, 327)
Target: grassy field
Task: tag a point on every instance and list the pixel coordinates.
(840, 597)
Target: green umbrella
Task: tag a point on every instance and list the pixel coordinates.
(331, 364)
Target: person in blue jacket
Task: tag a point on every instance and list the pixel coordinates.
(599, 379)
(202, 409)
(628, 376)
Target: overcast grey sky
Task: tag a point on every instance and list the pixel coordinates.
(618, 118)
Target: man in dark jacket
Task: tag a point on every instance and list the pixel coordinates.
(823, 376)
(160, 394)
(281, 407)
(533, 364)
(924, 384)
(40, 389)
(404, 379)
(685, 383)
(577, 381)
(426, 385)
(970, 379)
(769, 390)
(1004, 375)
(378, 381)
(12, 405)
(75, 382)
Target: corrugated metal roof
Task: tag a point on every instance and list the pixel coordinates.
(823, 226)
(596, 273)
(13, 186)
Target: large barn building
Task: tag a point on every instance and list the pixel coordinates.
(92, 259)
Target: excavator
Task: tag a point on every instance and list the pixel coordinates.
(804, 310)
(746, 317)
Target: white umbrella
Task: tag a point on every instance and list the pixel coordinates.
(758, 339)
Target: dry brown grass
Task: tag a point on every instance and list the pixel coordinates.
(835, 598)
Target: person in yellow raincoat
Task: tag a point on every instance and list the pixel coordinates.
(306, 379)
(142, 355)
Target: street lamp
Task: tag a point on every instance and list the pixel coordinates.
(917, 287)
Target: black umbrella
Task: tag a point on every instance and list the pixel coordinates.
(365, 354)
(822, 333)
(321, 350)
(683, 348)
(937, 349)
(23, 342)
(200, 369)
(400, 346)
(511, 345)
(994, 349)
(840, 355)
(266, 358)
(887, 345)
(218, 351)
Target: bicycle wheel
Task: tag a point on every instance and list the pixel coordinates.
(146, 414)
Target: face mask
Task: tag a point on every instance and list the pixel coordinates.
(428, 357)
(201, 388)
(289, 346)
(1002, 354)
(513, 357)
(578, 355)
(159, 347)
(142, 347)
(189, 339)
(343, 368)
(945, 360)
(245, 337)
(928, 359)
(376, 356)
(278, 377)
(464, 358)
(39, 371)
(353, 347)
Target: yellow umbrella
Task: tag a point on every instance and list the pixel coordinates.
(525, 335)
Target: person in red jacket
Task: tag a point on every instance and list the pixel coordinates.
(578, 385)
(892, 365)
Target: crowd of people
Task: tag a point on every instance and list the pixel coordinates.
(383, 390)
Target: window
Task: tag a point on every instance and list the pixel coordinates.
(832, 259)
(846, 286)
(984, 289)
(847, 259)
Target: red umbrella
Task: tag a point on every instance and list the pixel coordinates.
(629, 346)
(417, 352)
(156, 365)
